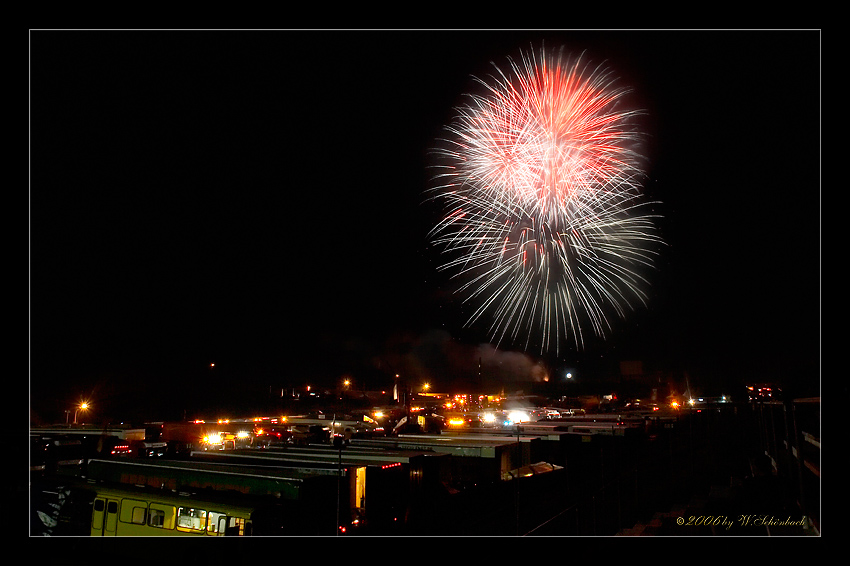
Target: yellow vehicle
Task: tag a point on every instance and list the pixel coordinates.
(125, 512)
(97, 509)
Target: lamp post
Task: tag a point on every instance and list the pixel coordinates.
(518, 472)
(338, 442)
(83, 407)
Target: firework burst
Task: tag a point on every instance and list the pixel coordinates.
(540, 184)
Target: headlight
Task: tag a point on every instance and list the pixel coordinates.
(214, 438)
(518, 416)
(489, 417)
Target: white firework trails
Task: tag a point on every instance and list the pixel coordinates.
(541, 190)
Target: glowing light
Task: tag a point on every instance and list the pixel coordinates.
(456, 421)
(540, 182)
(488, 418)
(518, 417)
(214, 438)
(242, 434)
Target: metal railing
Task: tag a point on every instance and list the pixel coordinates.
(789, 435)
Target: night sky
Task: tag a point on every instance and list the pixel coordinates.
(255, 199)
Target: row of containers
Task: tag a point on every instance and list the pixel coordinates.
(405, 484)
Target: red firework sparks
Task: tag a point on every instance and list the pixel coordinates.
(544, 161)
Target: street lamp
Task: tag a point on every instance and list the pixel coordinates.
(83, 407)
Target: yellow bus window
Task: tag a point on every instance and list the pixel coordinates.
(216, 523)
(133, 511)
(191, 519)
(235, 526)
(97, 514)
(161, 516)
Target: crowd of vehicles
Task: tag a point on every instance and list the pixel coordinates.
(181, 438)
(57, 448)
(260, 432)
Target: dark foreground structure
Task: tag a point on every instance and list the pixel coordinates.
(725, 469)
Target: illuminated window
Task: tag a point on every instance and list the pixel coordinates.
(360, 487)
(217, 523)
(235, 526)
(191, 519)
